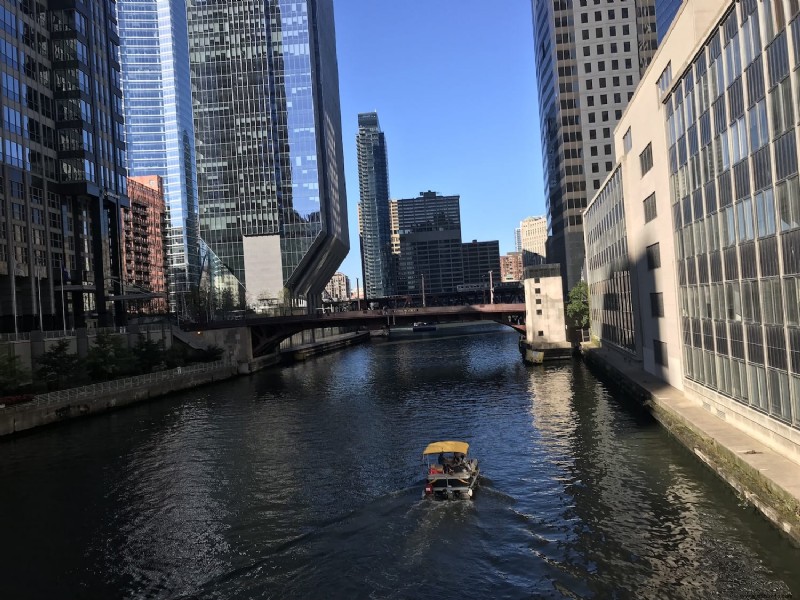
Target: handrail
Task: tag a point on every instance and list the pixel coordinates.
(42, 400)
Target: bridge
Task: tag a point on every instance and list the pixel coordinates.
(268, 332)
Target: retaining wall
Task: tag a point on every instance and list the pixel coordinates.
(778, 504)
(46, 409)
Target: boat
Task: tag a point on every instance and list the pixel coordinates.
(450, 473)
(420, 326)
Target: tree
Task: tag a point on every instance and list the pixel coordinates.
(12, 375)
(109, 359)
(578, 305)
(58, 367)
(149, 354)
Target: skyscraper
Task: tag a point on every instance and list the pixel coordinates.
(270, 172)
(665, 14)
(430, 244)
(62, 165)
(589, 59)
(532, 240)
(158, 122)
(374, 227)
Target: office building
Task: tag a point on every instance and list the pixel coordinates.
(429, 230)
(374, 220)
(63, 171)
(708, 151)
(589, 59)
(531, 237)
(270, 175)
(665, 14)
(479, 259)
(144, 256)
(158, 122)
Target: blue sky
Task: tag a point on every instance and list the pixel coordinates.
(454, 85)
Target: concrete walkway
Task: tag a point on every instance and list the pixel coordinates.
(767, 479)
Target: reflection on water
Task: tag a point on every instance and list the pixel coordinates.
(306, 482)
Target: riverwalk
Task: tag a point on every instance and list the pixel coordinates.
(769, 481)
(59, 406)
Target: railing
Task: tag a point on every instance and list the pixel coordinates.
(127, 383)
(59, 333)
(15, 337)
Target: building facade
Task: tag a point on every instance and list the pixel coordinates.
(665, 14)
(338, 287)
(144, 256)
(511, 267)
(374, 219)
(63, 175)
(721, 173)
(589, 59)
(429, 230)
(158, 122)
(608, 268)
(270, 174)
(479, 259)
(532, 240)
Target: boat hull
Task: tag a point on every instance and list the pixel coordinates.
(452, 486)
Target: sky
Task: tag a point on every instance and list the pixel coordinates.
(454, 85)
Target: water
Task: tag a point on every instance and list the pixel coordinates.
(305, 482)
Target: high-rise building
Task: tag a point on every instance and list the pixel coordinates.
(374, 220)
(338, 287)
(158, 122)
(511, 267)
(696, 230)
(665, 13)
(589, 59)
(533, 240)
(270, 174)
(62, 166)
(430, 244)
(144, 250)
(479, 259)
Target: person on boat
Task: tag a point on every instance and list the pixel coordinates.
(442, 460)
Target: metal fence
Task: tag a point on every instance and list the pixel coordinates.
(41, 400)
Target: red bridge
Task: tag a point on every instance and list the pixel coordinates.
(268, 332)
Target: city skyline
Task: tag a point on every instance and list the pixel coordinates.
(425, 96)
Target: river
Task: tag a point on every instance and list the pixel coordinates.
(305, 482)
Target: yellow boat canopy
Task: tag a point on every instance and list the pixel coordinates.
(437, 447)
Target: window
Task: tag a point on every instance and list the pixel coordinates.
(660, 353)
(646, 159)
(657, 304)
(538, 311)
(650, 208)
(541, 333)
(654, 256)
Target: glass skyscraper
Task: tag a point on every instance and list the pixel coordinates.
(270, 171)
(375, 228)
(62, 173)
(665, 13)
(158, 122)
